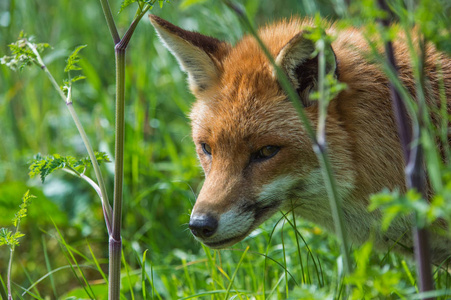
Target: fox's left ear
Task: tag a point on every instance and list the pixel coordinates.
(199, 55)
(296, 59)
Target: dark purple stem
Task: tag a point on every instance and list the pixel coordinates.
(413, 157)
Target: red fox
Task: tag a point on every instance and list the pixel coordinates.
(255, 152)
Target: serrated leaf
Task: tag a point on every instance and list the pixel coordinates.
(77, 78)
(16, 237)
(124, 4)
(44, 166)
(26, 200)
(22, 55)
(5, 236)
(73, 59)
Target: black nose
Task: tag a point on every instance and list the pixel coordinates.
(203, 226)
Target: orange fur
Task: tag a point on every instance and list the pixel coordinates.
(241, 108)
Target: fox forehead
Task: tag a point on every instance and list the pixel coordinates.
(248, 121)
(245, 103)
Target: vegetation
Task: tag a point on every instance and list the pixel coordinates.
(65, 251)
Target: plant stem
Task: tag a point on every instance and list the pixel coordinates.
(103, 193)
(112, 217)
(68, 100)
(319, 148)
(10, 263)
(8, 276)
(110, 21)
(119, 142)
(115, 237)
(413, 157)
(120, 50)
(115, 242)
(94, 185)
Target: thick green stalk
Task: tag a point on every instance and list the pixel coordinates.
(110, 21)
(120, 50)
(115, 237)
(319, 148)
(115, 243)
(119, 142)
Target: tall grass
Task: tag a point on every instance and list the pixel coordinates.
(161, 175)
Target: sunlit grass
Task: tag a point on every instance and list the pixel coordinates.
(66, 257)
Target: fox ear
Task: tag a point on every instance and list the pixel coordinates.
(198, 55)
(296, 59)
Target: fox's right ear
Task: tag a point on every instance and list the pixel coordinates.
(199, 55)
(297, 60)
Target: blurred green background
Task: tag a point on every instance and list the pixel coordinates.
(162, 175)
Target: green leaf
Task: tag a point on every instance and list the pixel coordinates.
(44, 166)
(74, 59)
(5, 236)
(187, 3)
(26, 201)
(392, 204)
(125, 3)
(77, 78)
(162, 1)
(22, 55)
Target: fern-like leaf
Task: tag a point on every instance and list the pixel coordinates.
(7, 237)
(26, 200)
(22, 55)
(126, 3)
(44, 166)
(73, 59)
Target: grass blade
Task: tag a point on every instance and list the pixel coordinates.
(234, 273)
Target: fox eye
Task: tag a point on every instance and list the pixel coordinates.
(206, 148)
(266, 152)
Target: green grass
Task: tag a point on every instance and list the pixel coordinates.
(64, 253)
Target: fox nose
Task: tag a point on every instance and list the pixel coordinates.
(203, 226)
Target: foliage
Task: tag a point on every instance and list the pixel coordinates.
(73, 65)
(26, 200)
(394, 204)
(126, 3)
(22, 55)
(44, 166)
(372, 280)
(161, 175)
(9, 238)
(74, 59)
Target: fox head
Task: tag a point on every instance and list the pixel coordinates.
(255, 153)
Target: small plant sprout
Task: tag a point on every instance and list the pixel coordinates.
(7, 237)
